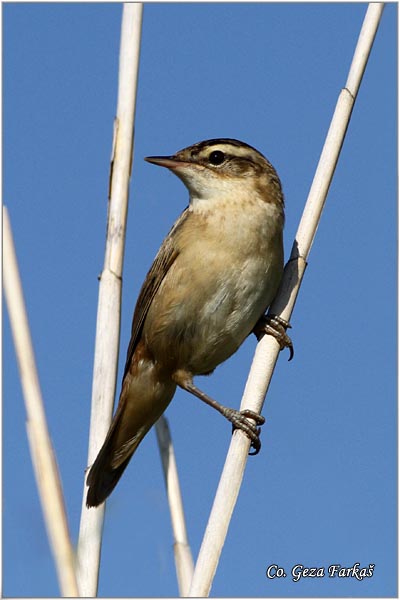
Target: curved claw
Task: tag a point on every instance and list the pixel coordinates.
(256, 444)
(289, 345)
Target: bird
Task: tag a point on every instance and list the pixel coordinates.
(214, 276)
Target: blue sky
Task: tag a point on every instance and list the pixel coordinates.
(323, 489)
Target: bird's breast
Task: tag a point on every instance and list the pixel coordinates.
(225, 276)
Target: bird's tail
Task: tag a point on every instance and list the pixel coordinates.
(106, 471)
(133, 419)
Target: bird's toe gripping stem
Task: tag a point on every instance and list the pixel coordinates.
(275, 326)
(240, 420)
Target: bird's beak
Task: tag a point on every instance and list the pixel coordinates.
(170, 162)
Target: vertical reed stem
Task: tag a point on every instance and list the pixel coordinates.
(108, 312)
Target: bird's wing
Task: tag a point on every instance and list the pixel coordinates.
(160, 267)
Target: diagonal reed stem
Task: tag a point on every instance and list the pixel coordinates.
(267, 349)
(182, 552)
(42, 453)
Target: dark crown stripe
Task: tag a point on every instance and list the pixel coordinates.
(232, 141)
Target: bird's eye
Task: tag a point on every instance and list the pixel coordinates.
(217, 157)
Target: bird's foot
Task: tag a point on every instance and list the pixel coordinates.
(240, 420)
(275, 326)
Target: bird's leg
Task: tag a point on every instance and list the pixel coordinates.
(239, 419)
(275, 326)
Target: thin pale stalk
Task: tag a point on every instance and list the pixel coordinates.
(42, 453)
(182, 552)
(268, 349)
(109, 304)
